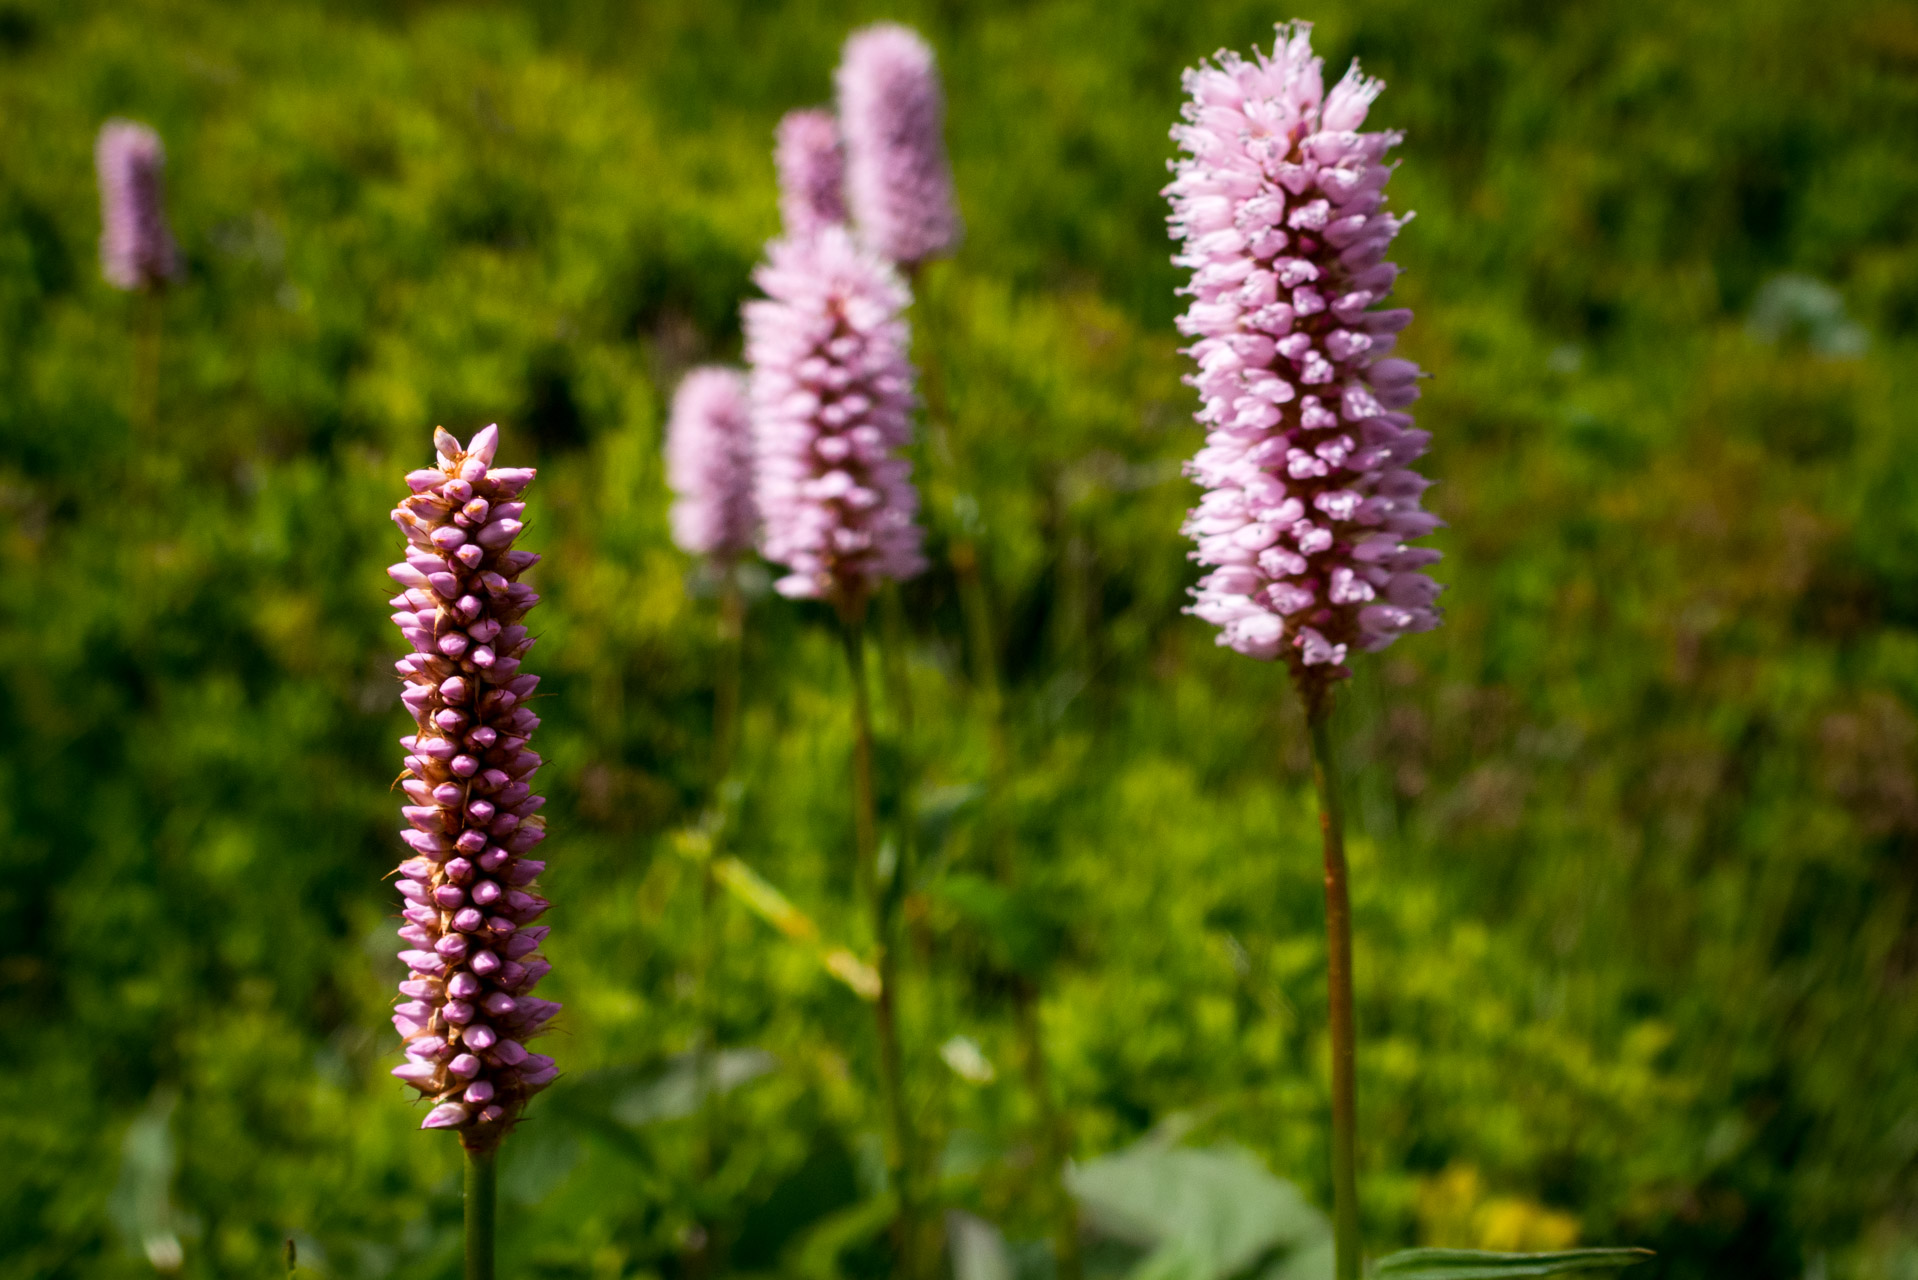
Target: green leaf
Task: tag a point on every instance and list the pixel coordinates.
(978, 1249)
(1203, 1213)
(1310, 1261)
(1477, 1264)
(816, 1255)
(681, 1088)
(141, 1206)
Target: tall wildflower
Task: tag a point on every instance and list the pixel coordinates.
(898, 180)
(709, 464)
(136, 248)
(832, 399)
(900, 188)
(1310, 496)
(467, 1006)
(812, 171)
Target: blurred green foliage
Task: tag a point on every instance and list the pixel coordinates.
(1639, 826)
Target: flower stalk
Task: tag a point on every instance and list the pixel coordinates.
(832, 395)
(1338, 980)
(900, 192)
(482, 1208)
(882, 896)
(1310, 493)
(709, 466)
(721, 811)
(964, 556)
(145, 417)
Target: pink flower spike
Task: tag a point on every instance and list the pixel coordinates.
(470, 733)
(893, 113)
(709, 464)
(1308, 505)
(136, 248)
(832, 400)
(812, 171)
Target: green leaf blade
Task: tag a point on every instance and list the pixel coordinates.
(1479, 1264)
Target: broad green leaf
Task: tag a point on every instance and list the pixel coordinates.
(1311, 1261)
(141, 1207)
(978, 1249)
(1477, 1264)
(680, 1089)
(1203, 1213)
(1179, 1258)
(816, 1255)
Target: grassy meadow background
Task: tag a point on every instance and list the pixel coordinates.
(1636, 853)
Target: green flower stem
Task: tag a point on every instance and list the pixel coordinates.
(975, 606)
(1338, 978)
(1054, 1139)
(883, 900)
(898, 681)
(145, 416)
(732, 626)
(726, 702)
(482, 1202)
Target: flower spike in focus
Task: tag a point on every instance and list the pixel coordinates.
(1307, 466)
(472, 947)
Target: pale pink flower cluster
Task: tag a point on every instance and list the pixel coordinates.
(831, 400)
(893, 111)
(1310, 498)
(812, 171)
(709, 464)
(136, 248)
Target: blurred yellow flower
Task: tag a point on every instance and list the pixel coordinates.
(1455, 1212)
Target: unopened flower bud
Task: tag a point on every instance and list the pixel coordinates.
(469, 745)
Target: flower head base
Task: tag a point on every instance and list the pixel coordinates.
(472, 945)
(136, 248)
(1309, 497)
(812, 172)
(709, 464)
(898, 180)
(832, 398)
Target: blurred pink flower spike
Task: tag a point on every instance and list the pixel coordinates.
(892, 111)
(709, 464)
(812, 172)
(831, 401)
(136, 248)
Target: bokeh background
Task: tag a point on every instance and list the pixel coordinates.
(1635, 831)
